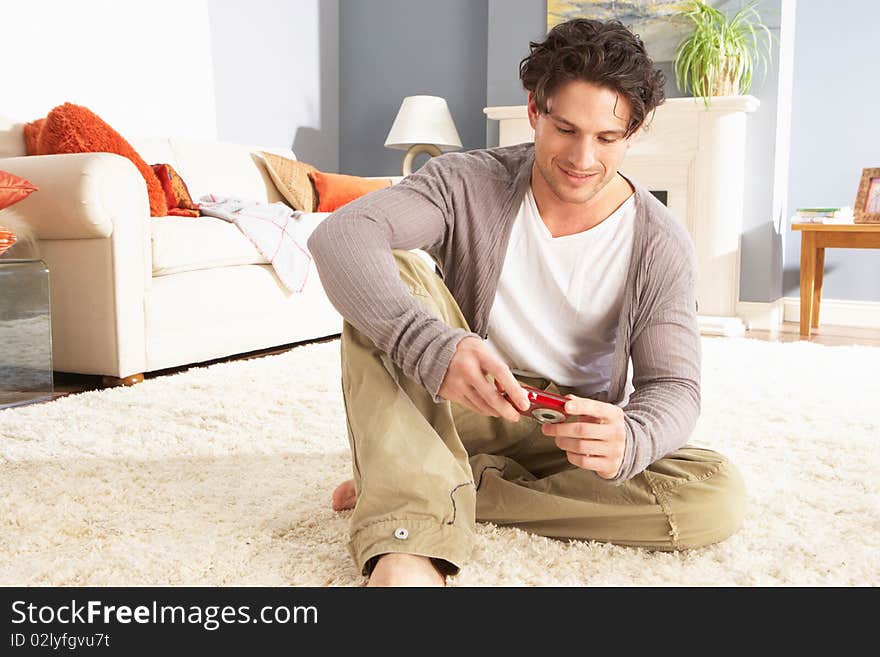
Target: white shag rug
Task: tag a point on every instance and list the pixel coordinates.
(222, 475)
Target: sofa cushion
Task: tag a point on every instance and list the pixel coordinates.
(291, 178)
(190, 244)
(71, 128)
(180, 245)
(211, 167)
(180, 203)
(335, 189)
(14, 189)
(31, 132)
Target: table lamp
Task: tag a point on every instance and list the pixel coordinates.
(423, 125)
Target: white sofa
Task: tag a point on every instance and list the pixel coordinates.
(132, 293)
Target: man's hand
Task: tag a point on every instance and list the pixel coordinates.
(465, 382)
(595, 440)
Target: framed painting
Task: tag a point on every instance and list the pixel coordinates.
(659, 23)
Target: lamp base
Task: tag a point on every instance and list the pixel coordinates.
(417, 149)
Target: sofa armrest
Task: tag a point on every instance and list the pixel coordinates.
(80, 194)
(91, 218)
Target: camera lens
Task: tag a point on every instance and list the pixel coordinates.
(547, 415)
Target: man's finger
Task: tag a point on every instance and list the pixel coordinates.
(595, 463)
(580, 430)
(514, 390)
(599, 410)
(583, 447)
(493, 398)
(507, 384)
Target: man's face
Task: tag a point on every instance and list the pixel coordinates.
(579, 143)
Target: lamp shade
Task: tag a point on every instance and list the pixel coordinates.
(423, 120)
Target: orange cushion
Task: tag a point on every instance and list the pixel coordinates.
(32, 130)
(72, 128)
(335, 189)
(183, 212)
(13, 189)
(177, 198)
(7, 239)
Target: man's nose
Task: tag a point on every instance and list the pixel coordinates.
(584, 155)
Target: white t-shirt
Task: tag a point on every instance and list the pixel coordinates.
(558, 302)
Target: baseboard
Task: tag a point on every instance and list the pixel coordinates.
(837, 312)
(728, 327)
(761, 316)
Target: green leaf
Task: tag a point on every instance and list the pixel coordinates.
(720, 46)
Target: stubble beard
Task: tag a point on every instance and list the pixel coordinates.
(560, 187)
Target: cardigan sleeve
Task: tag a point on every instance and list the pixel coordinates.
(352, 250)
(666, 355)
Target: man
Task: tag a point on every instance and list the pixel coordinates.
(556, 271)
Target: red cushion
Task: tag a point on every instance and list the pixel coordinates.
(13, 189)
(176, 193)
(335, 189)
(164, 177)
(72, 128)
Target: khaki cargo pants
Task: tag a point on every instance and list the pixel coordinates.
(425, 473)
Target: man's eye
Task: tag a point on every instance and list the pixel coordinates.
(565, 132)
(607, 140)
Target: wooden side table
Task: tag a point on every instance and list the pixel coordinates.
(815, 239)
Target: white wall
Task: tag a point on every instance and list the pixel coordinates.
(276, 72)
(141, 72)
(263, 72)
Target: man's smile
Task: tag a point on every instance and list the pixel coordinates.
(577, 178)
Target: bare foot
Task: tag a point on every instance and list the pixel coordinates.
(398, 569)
(344, 496)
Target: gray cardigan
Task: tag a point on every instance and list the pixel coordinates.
(460, 208)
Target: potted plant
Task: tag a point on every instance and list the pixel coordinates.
(717, 59)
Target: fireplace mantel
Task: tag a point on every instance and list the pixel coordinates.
(697, 156)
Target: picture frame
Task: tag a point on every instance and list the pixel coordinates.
(867, 206)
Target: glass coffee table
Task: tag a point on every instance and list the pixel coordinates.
(25, 333)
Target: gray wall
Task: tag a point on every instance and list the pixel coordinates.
(276, 75)
(512, 25)
(835, 132)
(389, 49)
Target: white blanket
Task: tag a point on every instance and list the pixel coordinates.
(274, 228)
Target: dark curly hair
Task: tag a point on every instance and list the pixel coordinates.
(604, 53)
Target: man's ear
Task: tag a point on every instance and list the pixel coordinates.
(532, 109)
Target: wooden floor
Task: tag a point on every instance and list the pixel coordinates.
(828, 335)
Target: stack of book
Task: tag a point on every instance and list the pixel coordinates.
(823, 216)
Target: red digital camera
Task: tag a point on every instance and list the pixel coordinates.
(545, 407)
